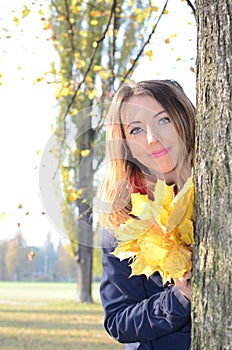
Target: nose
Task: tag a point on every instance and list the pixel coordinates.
(151, 137)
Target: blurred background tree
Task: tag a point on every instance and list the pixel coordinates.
(20, 262)
(99, 46)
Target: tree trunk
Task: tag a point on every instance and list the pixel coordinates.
(212, 265)
(84, 274)
(84, 255)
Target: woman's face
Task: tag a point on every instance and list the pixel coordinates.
(151, 136)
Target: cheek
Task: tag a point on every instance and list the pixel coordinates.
(136, 148)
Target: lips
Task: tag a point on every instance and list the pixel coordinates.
(159, 153)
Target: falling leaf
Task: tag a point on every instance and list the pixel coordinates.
(149, 54)
(171, 36)
(47, 26)
(31, 255)
(25, 11)
(3, 216)
(192, 69)
(154, 8)
(38, 80)
(16, 20)
(20, 206)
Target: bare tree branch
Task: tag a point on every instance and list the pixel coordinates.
(130, 70)
(192, 7)
(70, 26)
(112, 51)
(113, 8)
(57, 9)
(91, 58)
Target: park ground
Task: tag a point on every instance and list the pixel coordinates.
(46, 316)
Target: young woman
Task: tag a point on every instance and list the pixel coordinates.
(150, 136)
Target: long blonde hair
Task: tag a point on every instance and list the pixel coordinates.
(123, 174)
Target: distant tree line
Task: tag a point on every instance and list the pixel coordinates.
(20, 262)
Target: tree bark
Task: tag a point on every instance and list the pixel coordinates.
(212, 268)
(84, 254)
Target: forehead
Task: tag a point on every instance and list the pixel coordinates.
(139, 107)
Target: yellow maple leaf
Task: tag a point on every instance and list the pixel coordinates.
(159, 236)
(132, 229)
(163, 195)
(177, 261)
(163, 217)
(140, 267)
(126, 250)
(185, 229)
(139, 203)
(180, 204)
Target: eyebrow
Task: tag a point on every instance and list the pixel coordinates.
(157, 114)
(139, 122)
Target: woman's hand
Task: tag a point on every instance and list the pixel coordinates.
(184, 285)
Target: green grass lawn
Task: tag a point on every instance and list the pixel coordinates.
(45, 316)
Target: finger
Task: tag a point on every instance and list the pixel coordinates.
(187, 282)
(188, 275)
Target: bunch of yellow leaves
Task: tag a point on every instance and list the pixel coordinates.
(159, 234)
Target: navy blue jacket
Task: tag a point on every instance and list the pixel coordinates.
(142, 312)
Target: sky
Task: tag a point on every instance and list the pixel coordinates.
(28, 110)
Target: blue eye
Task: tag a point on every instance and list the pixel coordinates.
(164, 120)
(135, 131)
